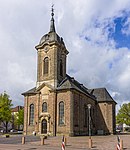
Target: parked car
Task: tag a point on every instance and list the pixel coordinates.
(13, 130)
(2, 131)
(118, 130)
(20, 131)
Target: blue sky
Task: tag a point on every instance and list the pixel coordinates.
(122, 39)
(96, 34)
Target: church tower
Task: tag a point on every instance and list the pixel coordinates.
(51, 51)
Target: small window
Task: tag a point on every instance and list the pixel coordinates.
(44, 107)
(31, 121)
(61, 113)
(46, 65)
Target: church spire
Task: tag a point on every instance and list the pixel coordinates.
(52, 25)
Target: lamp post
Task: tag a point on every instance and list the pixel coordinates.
(89, 121)
(89, 108)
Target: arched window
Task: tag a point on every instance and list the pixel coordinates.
(44, 126)
(46, 65)
(61, 67)
(61, 113)
(31, 120)
(44, 107)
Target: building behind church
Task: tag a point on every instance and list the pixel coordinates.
(59, 104)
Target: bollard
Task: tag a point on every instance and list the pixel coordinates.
(90, 142)
(23, 140)
(65, 141)
(42, 140)
(121, 144)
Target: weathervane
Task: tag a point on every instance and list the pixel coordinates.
(52, 25)
(52, 10)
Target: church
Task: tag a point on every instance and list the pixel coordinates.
(59, 104)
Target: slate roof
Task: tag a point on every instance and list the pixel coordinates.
(31, 91)
(71, 83)
(51, 36)
(102, 95)
(67, 84)
(98, 94)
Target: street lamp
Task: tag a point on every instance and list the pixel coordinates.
(89, 108)
(89, 115)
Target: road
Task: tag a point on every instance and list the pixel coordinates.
(54, 143)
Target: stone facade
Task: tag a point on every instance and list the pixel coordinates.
(59, 104)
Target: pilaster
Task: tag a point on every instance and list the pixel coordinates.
(71, 133)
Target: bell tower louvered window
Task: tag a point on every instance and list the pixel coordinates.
(46, 65)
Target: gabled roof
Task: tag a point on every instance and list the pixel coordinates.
(101, 94)
(31, 91)
(36, 90)
(44, 84)
(71, 83)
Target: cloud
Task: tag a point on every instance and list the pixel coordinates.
(87, 28)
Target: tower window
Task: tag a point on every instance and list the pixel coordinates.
(46, 65)
(44, 107)
(61, 67)
(31, 120)
(61, 113)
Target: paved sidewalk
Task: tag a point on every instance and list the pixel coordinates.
(73, 143)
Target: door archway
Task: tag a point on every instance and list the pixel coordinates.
(44, 126)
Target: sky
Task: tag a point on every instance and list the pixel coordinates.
(96, 34)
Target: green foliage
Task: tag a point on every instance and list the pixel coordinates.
(5, 110)
(14, 121)
(20, 117)
(123, 115)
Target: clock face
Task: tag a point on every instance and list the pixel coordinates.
(46, 48)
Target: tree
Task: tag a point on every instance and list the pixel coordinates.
(20, 117)
(5, 110)
(123, 115)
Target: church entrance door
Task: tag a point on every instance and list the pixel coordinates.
(44, 126)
